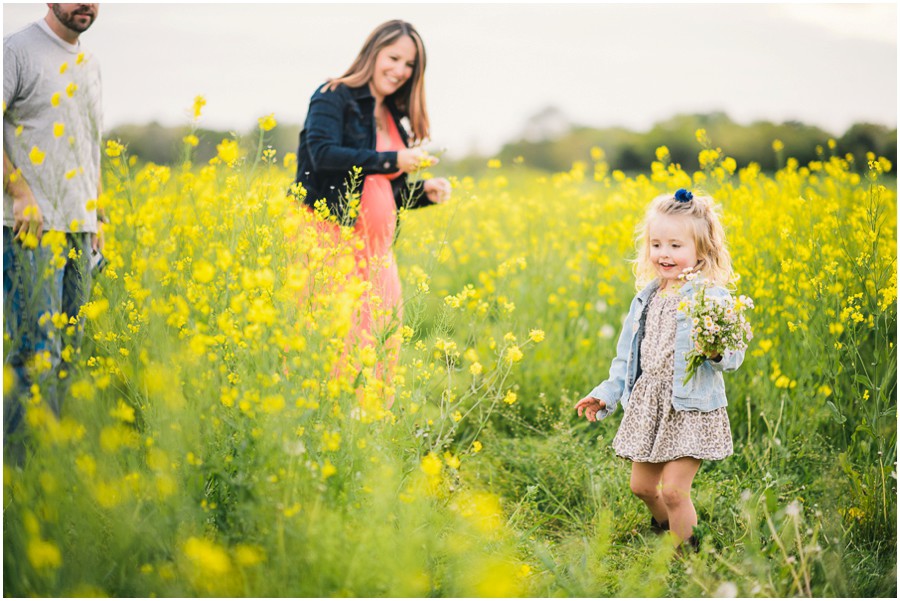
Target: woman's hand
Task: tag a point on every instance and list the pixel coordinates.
(410, 160)
(437, 189)
(589, 406)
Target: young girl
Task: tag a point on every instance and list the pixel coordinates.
(669, 426)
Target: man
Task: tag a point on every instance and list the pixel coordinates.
(51, 185)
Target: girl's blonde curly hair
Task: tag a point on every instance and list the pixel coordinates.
(702, 214)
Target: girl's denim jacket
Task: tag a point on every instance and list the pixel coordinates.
(704, 392)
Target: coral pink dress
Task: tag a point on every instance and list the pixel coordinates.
(379, 316)
(382, 308)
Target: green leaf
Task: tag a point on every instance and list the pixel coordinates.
(838, 417)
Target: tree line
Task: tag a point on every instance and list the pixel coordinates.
(623, 149)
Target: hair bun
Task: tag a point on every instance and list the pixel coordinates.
(682, 195)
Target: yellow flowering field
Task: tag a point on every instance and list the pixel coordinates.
(220, 438)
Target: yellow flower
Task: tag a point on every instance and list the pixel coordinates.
(510, 398)
(123, 412)
(268, 122)
(199, 103)
(777, 145)
(475, 368)
(451, 460)
(536, 335)
(514, 354)
(71, 89)
(191, 140)
(228, 151)
(494, 164)
(36, 155)
(661, 153)
(114, 148)
(203, 271)
(94, 309)
(331, 441)
(248, 555)
(208, 557)
(782, 382)
(328, 470)
(476, 446)
(43, 554)
(30, 240)
(431, 464)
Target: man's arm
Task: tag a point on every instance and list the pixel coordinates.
(26, 212)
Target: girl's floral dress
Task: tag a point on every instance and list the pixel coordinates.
(652, 431)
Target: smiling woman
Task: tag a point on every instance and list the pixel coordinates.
(352, 168)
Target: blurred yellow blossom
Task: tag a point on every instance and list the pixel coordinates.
(43, 554)
(199, 103)
(114, 148)
(536, 335)
(268, 122)
(431, 464)
(36, 155)
(228, 151)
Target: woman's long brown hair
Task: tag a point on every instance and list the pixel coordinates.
(410, 98)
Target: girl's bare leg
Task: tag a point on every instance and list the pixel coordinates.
(645, 484)
(677, 478)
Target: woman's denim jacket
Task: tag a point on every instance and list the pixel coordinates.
(704, 392)
(338, 135)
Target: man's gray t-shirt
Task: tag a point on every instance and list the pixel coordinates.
(52, 122)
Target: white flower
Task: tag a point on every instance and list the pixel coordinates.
(727, 589)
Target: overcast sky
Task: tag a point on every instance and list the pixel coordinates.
(492, 66)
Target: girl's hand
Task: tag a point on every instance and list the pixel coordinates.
(589, 406)
(437, 189)
(410, 160)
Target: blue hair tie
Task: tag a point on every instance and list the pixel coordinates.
(682, 195)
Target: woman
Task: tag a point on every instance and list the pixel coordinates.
(354, 122)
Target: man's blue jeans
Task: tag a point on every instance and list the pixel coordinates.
(40, 283)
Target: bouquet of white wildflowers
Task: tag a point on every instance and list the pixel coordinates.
(718, 324)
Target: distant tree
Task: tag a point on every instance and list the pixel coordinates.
(630, 151)
(868, 137)
(550, 143)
